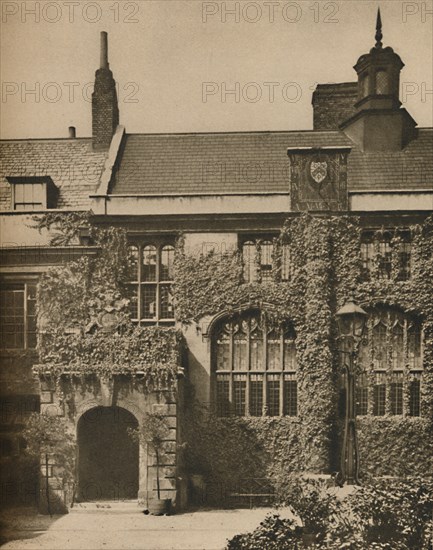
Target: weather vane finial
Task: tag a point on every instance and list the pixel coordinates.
(379, 34)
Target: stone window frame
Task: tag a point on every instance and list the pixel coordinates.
(21, 316)
(153, 282)
(259, 259)
(243, 381)
(390, 365)
(379, 256)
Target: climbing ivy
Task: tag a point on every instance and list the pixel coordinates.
(326, 270)
(84, 321)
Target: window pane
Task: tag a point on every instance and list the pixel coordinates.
(240, 351)
(414, 347)
(396, 396)
(6, 447)
(12, 318)
(367, 255)
(289, 352)
(266, 249)
(31, 316)
(290, 397)
(19, 193)
(414, 398)
(362, 396)
(249, 252)
(397, 353)
(256, 395)
(285, 262)
(39, 193)
(379, 346)
(149, 264)
(223, 395)
(148, 302)
(132, 263)
(404, 261)
(379, 399)
(133, 301)
(239, 394)
(385, 262)
(166, 306)
(274, 351)
(256, 349)
(365, 83)
(167, 263)
(273, 395)
(382, 83)
(223, 351)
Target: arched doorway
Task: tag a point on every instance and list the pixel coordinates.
(108, 457)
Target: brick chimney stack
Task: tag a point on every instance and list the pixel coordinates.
(105, 109)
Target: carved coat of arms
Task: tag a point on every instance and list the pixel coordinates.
(318, 171)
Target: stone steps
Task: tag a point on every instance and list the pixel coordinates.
(108, 506)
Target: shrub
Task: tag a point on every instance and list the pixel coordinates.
(273, 533)
(383, 515)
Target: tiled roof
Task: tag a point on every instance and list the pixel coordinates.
(71, 163)
(257, 162)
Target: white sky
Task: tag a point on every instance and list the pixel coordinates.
(166, 54)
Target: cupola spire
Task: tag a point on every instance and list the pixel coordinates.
(379, 34)
(379, 123)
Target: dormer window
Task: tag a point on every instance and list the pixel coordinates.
(32, 193)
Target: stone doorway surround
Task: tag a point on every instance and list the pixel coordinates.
(75, 397)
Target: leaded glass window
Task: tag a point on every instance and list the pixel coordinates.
(255, 368)
(150, 272)
(260, 257)
(18, 316)
(390, 356)
(385, 258)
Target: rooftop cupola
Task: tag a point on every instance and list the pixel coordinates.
(105, 109)
(379, 75)
(379, 123)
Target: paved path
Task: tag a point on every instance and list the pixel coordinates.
(128, 528)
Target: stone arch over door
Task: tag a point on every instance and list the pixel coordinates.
(108, 459)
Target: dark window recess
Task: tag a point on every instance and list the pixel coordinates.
(6, 447)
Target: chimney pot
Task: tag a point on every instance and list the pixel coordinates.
(72, 132)
(104, 50)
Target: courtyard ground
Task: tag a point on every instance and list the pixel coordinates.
(123, 526)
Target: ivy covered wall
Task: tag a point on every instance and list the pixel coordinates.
(326, 270)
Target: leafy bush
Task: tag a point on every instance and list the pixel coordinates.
(313, 503)
(384, 515)
(396, 514)
(273, 533)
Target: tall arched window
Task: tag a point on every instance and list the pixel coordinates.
(254, 367)
(391, 365)
(150, 274)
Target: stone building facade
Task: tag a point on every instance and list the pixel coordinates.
(243, 246)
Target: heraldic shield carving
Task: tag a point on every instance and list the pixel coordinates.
(318, 171)
(318, 179)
